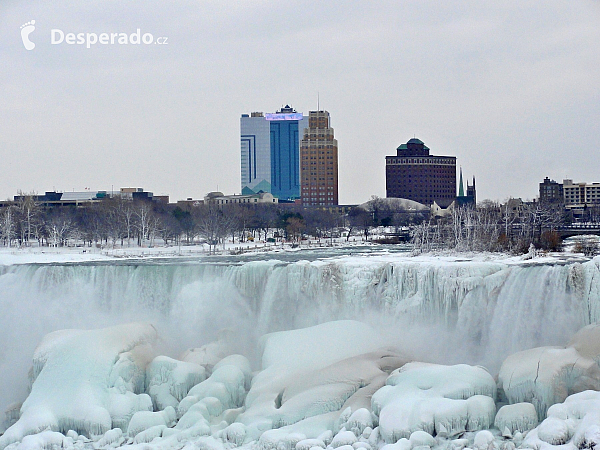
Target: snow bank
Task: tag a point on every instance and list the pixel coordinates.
(544, 376)
(587, 342)
(440, 400)
(169, 380)
(326, 369)
(143, 420)
(576, 422)
(85, 381)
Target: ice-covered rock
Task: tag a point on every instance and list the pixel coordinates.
(224, 390)
(210, 354)
(544, 376)
(420, 438)
(554, 431)
(142, 420)
(148, 435)
(575, 421)
(80, 375)
(519, 417)
(169, 380)
(303, 390)
(307, 444)
(112, 437)
(401, 444)
(234, 434)
(44, 440)
(358, 421)
(483, 439)
(587, 342)
(441, 400)
(279, 439)
(343, 437)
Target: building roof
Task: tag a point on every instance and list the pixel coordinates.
(415, 141)
(397, 204)
(78, 196)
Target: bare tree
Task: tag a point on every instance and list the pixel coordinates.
(7, 225)
(142, 213)
(28, 210)
(213, 225)
(59, 228)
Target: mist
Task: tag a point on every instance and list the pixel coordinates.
(474, 313)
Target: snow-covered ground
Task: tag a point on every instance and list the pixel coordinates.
(343, 347)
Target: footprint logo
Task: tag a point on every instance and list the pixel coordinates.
(26, 30)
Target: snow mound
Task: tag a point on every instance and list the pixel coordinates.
(227, 384)
(335, 341)
(143, 420)
(210, 354)
(170, 380)
(310, 375)
(520, 417)
(576, 422)
(587, 342)
(440, 400)
(544, 376)
(81, 379)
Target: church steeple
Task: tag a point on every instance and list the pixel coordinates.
(461, 191)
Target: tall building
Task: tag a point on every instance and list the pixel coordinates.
(551, 191)
(270, 152)
(416, 175)
(319, 162)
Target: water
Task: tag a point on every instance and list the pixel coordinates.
(474, 312)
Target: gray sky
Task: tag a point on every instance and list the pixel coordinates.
(511, 87)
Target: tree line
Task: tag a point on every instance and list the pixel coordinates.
(124, 222)
(490, 226)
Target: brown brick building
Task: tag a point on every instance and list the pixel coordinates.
(416, 175)
(318, 162)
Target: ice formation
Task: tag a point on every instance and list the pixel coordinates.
(335, 384)
(326, 369)
(516, 418)
(576, 421)
(169, 380)
(440, 400)
(85, 380)
(547, 375)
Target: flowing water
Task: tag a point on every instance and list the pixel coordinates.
(462, 311)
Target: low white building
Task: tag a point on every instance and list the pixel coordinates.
(220, 199)
(578, 195)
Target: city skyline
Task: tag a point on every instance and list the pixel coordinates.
(509, 88)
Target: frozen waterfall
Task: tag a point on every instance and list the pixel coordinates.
(448, 312)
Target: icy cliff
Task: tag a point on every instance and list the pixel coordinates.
(86, 381)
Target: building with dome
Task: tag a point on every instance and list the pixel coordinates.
(416, 175)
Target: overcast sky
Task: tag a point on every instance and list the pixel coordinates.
(510, 87)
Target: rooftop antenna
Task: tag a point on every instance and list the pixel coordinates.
(318, 102)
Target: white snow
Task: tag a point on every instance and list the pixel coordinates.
(169, 380)
(73, 386)
(143, 420)
(519, 417)
(547, 375)
(336, 384)
(328, 368)
(441, 400)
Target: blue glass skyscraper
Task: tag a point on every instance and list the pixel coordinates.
(270, 152)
